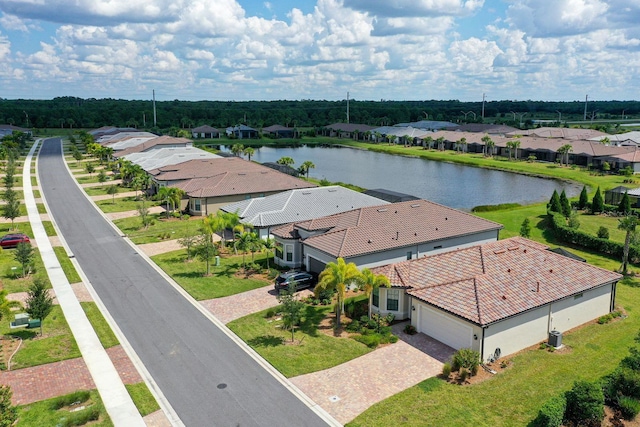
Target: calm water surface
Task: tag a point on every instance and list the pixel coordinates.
(458, 186)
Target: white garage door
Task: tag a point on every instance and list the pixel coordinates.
(445, 329)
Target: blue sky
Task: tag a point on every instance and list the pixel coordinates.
(320, 49)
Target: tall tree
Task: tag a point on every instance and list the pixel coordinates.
(237, 149)
(369, 282)
(628, 225)
(525, 228)
(565, 205)
(23, 254)
(306, 166)
(249, 151)
(584, 198)
(112, 190)
(337, 276)
(554, 203)
(268, 245)
(292, 309)
(597, 204)
(286, 160)
(39, 303)
(206, 250)
(625, 204)
(564, 153)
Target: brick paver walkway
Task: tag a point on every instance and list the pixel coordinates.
(59, 378)
(349, 389)
(236, 306)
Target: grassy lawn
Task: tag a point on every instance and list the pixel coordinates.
(11, 273)
(142, 398)
(100, 325)
(88, 179)
(122, 204)
(56, 411)
(514, 397)
(316, 352)
(221, 283)
(101, 191)
(177, 229)
(48, 228)
(57, 344)
(67, 266)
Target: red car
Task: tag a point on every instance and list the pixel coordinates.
(12, 240)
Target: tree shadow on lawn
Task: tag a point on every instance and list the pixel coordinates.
(266, 341)
(312, 318)
(25, 334)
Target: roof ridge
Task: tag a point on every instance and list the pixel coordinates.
(475, 292)
(344, 238)
(482, 259)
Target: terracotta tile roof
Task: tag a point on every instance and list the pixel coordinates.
(490, 282)
(161, 140)
(396, 225)
(250, 182)
(558, 132)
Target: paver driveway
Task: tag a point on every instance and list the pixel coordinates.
(347, 390)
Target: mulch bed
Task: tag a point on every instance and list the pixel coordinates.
(8, 346)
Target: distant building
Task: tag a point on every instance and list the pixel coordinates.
(205, 132)
(278, 131)
(242, 132)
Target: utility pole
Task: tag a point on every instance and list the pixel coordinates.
(155, 119)
(483, 97)
(559, 116)
(347, 107)
(144, 120)
(586, 99)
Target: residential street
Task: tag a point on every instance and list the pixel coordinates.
(206, 377)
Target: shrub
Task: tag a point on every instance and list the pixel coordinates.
(623, 381)
(270, 313)
(354, 326)
(629, 407)
(463, 374)
(410, 329)
(446, 370)
(466, 359)
(492, 208)
(371, 341)
(603, 232)
(69, 399)
(552, 413)
(325, 294)
(355, 309)
(585, 404)
(81, 418)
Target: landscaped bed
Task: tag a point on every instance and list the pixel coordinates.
(161, 228)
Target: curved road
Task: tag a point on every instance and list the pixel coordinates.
(206, 377)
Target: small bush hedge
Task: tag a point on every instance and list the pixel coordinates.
(552, 413)
(492, 208)
(466, 359)
(629, 407)
(585, 404)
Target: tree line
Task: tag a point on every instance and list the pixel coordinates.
(72, 112)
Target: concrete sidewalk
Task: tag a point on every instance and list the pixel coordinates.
(115, 397)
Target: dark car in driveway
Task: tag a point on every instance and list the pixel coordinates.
(302, 279)
(12, 240)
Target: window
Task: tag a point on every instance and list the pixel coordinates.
(409, 255)
(375, 299)
(278, 248)
(196, 205)
(289, 251)
(393, 295)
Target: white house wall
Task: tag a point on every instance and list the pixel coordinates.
(571, 312)
(518, 332)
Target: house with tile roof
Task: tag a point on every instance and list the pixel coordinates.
(265, 213)
(241, 132)
(346, 130)
(205, 131)
(379, 235)
(9, 129)
(164, 141)
(212, 183)
(498, 297)
(279, 131)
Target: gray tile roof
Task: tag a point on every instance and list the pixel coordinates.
(300, 205)
(160, 157)
(490, 282)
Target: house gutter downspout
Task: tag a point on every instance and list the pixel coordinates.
(612, 305)
(482, 344)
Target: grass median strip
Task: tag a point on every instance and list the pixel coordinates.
(159, 230)
(74, 409)
(67, 265)
(103, 330)
(142, 398)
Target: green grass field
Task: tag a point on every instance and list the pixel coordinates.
(176, 229)
(316, 352)
(221, 283)
(105, 334)
(57, 411)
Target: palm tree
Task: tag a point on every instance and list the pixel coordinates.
(564, 153)
(237, 149)
(516, 145)
(427, 142)
(268, 244)
(249, 151)
(306, 166)
(510, 148)
(485, 139)
(627, 224)
(377, 136)
(369, 282)
(440, 142)
(337, 276)
(464, 143)
(286, 160)
(164, 195)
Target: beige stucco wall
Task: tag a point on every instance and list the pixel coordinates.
(571, 312)
(518, 332)
(212, 204)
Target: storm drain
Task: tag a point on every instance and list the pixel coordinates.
(334, 399)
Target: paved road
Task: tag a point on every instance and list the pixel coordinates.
(206, 377)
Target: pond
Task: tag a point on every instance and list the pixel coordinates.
(453, 185)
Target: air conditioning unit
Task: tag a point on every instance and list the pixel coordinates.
(555, 339)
